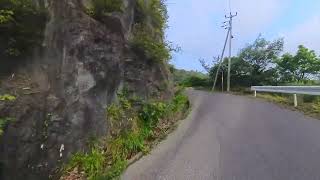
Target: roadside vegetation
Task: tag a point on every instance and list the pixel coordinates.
(143, 127)
(264, 63)
(310, 105)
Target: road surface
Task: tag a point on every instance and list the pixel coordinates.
(229, 137)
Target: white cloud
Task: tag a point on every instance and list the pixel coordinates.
(306, 33)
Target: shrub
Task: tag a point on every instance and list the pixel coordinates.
(179, 102)
(151, 113)
(196, 81)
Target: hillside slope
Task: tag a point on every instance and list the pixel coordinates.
(63, 90)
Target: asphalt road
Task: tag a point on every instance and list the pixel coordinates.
(229, 137)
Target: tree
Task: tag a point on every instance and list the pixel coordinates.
(261, 55)
(240, 72)
(22, 26)
(303, 65)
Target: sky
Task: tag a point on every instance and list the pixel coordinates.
(195, 25)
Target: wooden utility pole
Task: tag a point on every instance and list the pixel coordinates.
(230, 17)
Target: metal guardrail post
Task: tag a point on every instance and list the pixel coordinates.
(255, 93)
(295, 100)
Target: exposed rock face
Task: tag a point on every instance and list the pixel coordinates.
(63, 94)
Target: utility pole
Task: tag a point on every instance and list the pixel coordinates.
(230, 17)
(222, 81)
(221, 60)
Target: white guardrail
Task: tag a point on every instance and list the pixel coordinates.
(309, 90)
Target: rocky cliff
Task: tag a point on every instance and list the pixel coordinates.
(62, 93)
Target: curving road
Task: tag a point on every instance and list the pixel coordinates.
(230, 137)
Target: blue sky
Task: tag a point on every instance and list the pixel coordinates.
(195, 26)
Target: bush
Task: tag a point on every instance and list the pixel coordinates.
(179, 102)
(151, 113)
(195, 81)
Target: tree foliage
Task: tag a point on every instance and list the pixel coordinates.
(260, 55)
(21, 29)
(298, 67)
(260, 63)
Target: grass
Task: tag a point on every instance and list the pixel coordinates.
(138, 130)
(282, 99)
(309, 105)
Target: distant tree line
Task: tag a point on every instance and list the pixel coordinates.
(262, 63)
